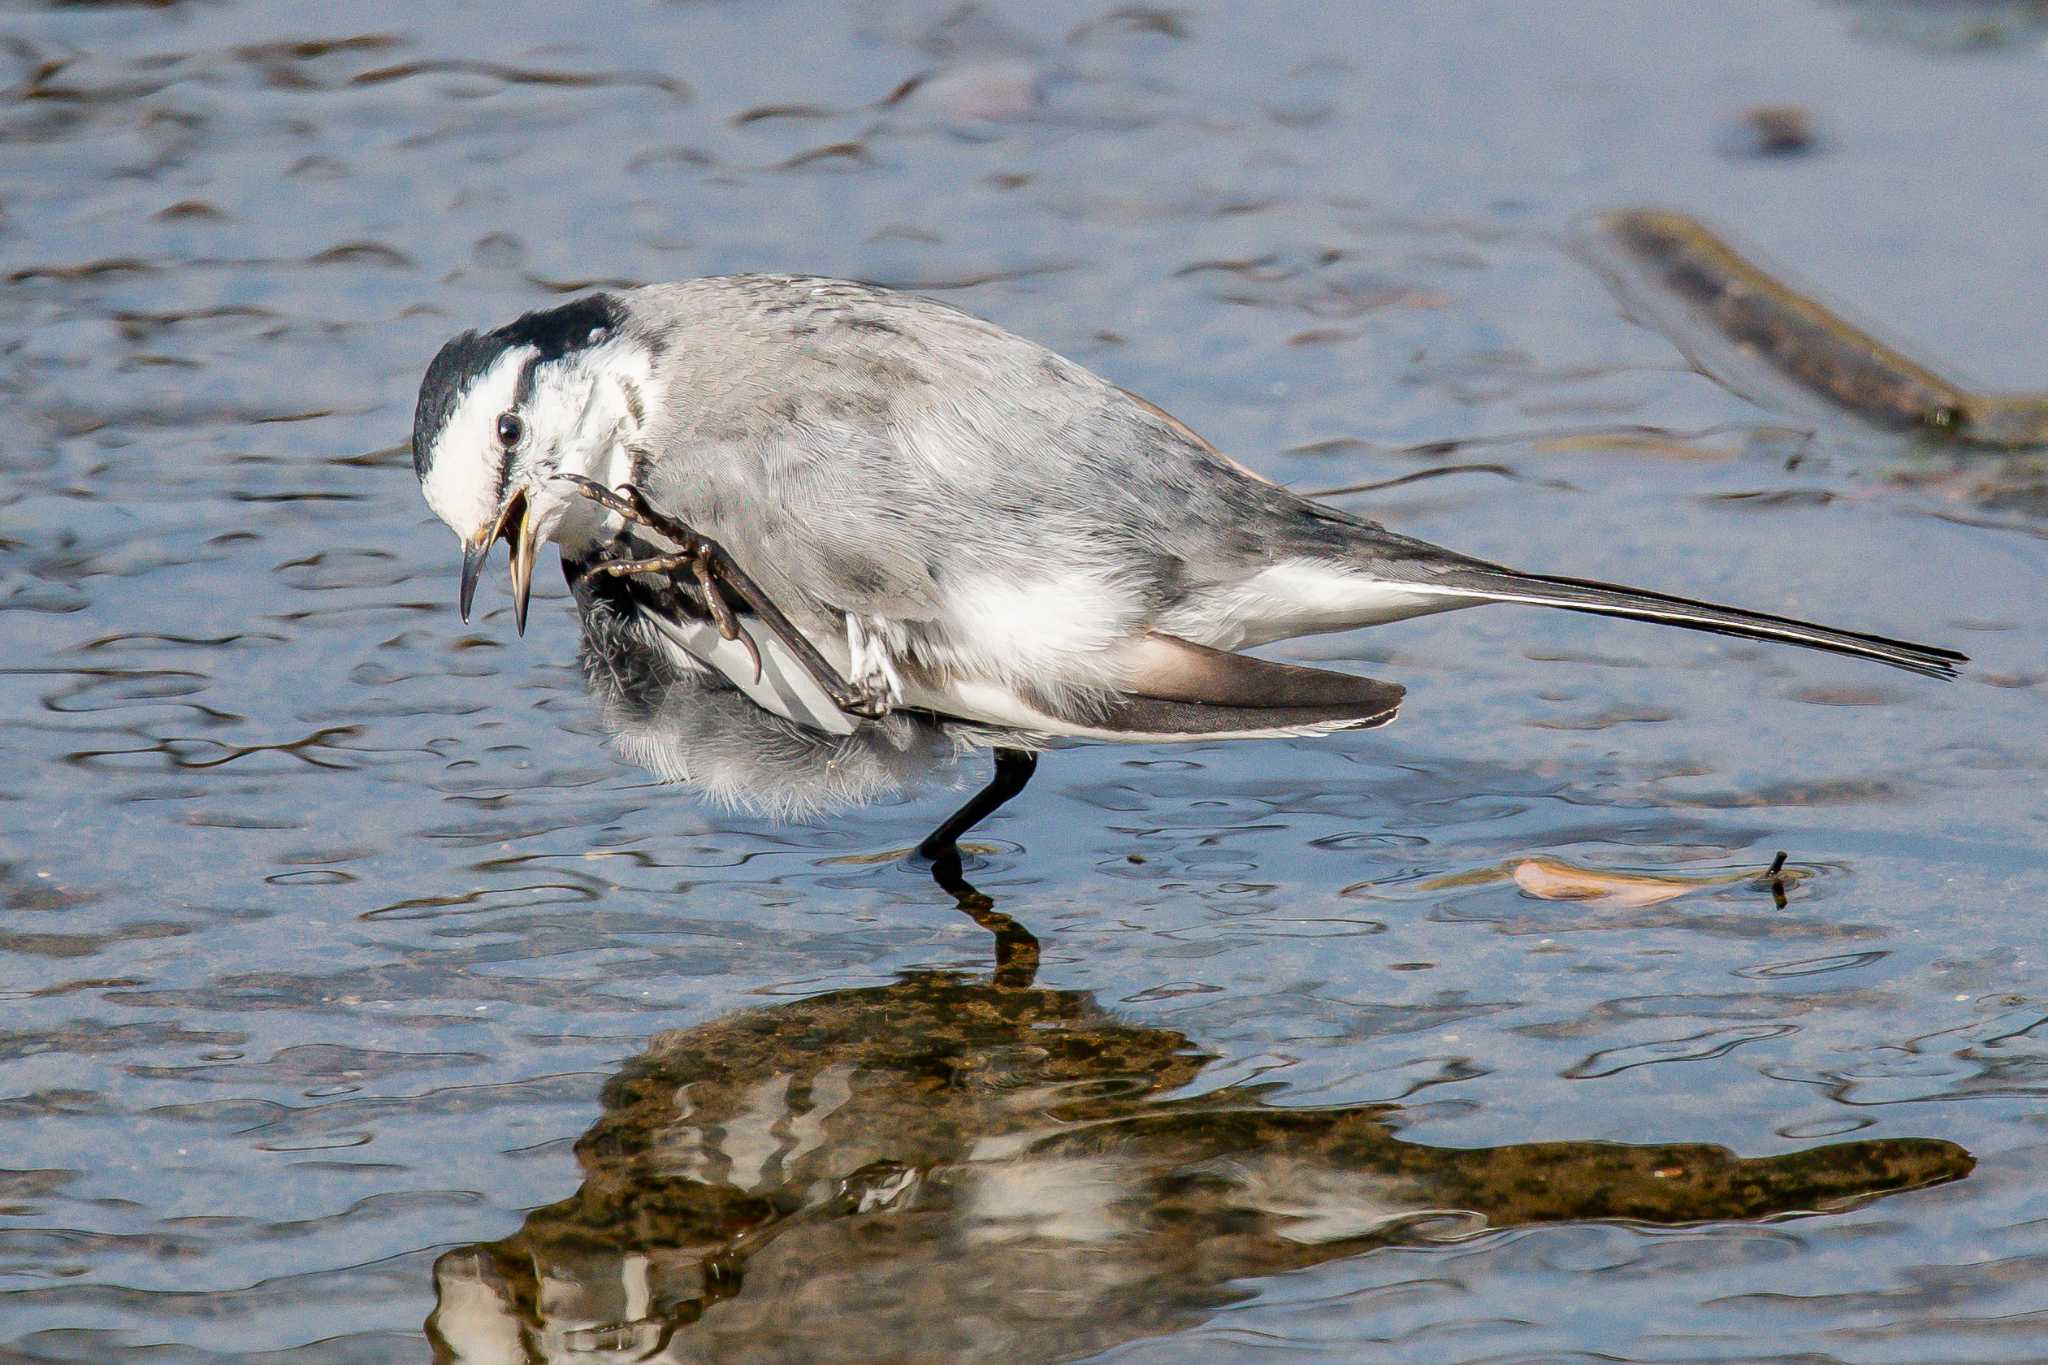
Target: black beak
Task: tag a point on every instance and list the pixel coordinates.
(514, 526)
(473, 558)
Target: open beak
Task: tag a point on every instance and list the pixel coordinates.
(523, 533)
(518, 528)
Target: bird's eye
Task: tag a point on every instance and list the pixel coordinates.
(510, 429)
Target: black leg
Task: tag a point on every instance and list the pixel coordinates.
(1013, 769)
(1016, 947)
(1776, 878)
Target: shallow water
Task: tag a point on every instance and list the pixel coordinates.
(331, 927)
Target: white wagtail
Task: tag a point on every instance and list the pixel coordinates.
(888, 524)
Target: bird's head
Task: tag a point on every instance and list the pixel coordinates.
(503, 413)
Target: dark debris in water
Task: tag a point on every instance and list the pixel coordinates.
(1727, 312)
(1773, 130)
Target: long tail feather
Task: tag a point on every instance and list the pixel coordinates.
(1610, 599)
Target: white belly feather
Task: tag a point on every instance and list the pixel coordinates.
(1006, 636)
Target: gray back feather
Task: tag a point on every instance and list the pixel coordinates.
(863, 447)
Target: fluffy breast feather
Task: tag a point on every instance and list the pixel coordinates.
(686, 724)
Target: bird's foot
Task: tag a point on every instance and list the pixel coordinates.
(717, 572)
(869, 698)
(629, 504)
(706, 559)
(701, 566)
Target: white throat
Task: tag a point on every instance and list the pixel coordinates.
(606, 401)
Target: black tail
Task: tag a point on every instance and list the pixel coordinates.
(1609, 599)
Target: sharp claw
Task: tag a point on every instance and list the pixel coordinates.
(729, 626)
(868, 706)
(714, 600)
(753, 652)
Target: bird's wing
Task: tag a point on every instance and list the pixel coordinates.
(1180, 690)
(991, 515)
(782, 684)
(959, 539)
(1177, 690)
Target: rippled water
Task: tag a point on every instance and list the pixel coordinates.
(360, 1006)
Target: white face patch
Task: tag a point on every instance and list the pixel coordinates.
(466, 477)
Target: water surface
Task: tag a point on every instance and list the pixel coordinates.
(350, 983)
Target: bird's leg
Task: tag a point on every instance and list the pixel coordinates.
(1016, 947)
(717, 572)
(693, 552)
(1013, 770)
(1776, 877)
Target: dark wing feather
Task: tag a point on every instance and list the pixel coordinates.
(1178, 689)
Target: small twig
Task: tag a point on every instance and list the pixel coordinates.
(1776, 877)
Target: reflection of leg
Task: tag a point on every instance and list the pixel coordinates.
(1013, 769)
(1016, 946)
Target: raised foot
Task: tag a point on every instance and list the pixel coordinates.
(628, 502)
(705, 559)
(867, 698)
(716, 573)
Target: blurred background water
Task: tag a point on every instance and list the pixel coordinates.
(330, 926)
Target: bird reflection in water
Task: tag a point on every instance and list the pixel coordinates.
(957, 1167)
(962, 1167)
